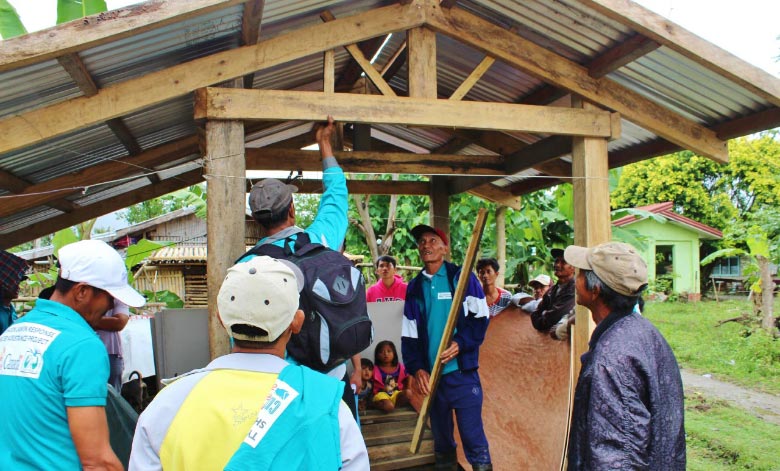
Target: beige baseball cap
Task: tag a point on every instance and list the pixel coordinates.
(617, 264)
(97, 264)
(261, 292)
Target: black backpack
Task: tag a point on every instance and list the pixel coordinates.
(333, 299)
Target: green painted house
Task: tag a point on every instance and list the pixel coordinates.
(672, 252)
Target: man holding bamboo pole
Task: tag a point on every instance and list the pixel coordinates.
(428, 302)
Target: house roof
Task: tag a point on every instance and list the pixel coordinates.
(97, 114)
(667, 210)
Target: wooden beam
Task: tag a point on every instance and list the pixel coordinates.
(250, 30)
(351, 72)
(156, 87)
(421, 43)
(362, 61)
(100, 208)
(623, 53)
(682, 41)
(122, 132)
(473, 78)
(75, 67)
(376, 162)
(546, 65)
(369, 187)
(12, 183)
(497, 195)
(94, 30)
(500, 219)
(225, 172)
(39, 193)
(222, 103)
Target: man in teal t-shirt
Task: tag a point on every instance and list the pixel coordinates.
(54, 368)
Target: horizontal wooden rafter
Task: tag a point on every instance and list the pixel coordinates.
(497, 195)
(156, 87)
(101, 28)
(376, 162)
(100, 208)
(220, 103)
(550, 67)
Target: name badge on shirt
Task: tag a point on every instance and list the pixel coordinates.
(445, 295)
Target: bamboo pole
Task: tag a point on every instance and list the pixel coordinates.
(449, 328)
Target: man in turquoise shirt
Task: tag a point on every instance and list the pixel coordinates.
(54, 368)
(273, 208)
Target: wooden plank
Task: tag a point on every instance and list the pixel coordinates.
(156, 87)
(375, 162)
(12, 183)
(421, 45)
(125, 136)
(449, 328)
(365, 64)
(225, 172)
(550, 67)
(677, 38)
(41, 193)
(222, 103)
(501, 244)
(473, 78)
(94, 210)
(94, 30)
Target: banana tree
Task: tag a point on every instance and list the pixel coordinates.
(758, 273)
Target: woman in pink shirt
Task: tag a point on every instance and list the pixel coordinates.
(390, 286)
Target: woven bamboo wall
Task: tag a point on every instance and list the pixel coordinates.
(159, 278)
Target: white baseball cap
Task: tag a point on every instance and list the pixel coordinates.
(543, 280)
(261, 292)
(97, 264)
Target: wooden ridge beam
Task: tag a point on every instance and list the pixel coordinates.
(101, 28)
(156, 87)
(682, 41)
(376, 162)
(44, 192)
(100, 208)
(220, 103)
(550, 67)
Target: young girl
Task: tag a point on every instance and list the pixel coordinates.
(387, 370)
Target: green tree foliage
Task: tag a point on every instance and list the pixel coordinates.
(194, 196)
(715, 194)
(68, 10)
(10, 24)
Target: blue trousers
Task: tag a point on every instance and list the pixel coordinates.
(460, 392)
(117, 364)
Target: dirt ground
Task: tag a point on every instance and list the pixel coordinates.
(762, 405)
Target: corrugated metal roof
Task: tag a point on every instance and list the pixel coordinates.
(565, 27)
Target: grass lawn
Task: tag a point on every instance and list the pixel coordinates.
(731, 352)
(720, 436)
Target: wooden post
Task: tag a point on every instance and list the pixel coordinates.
(225, 171)
(592, 226)
(440, 205)
(422, 63)
(449, 328)
(501, 244)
